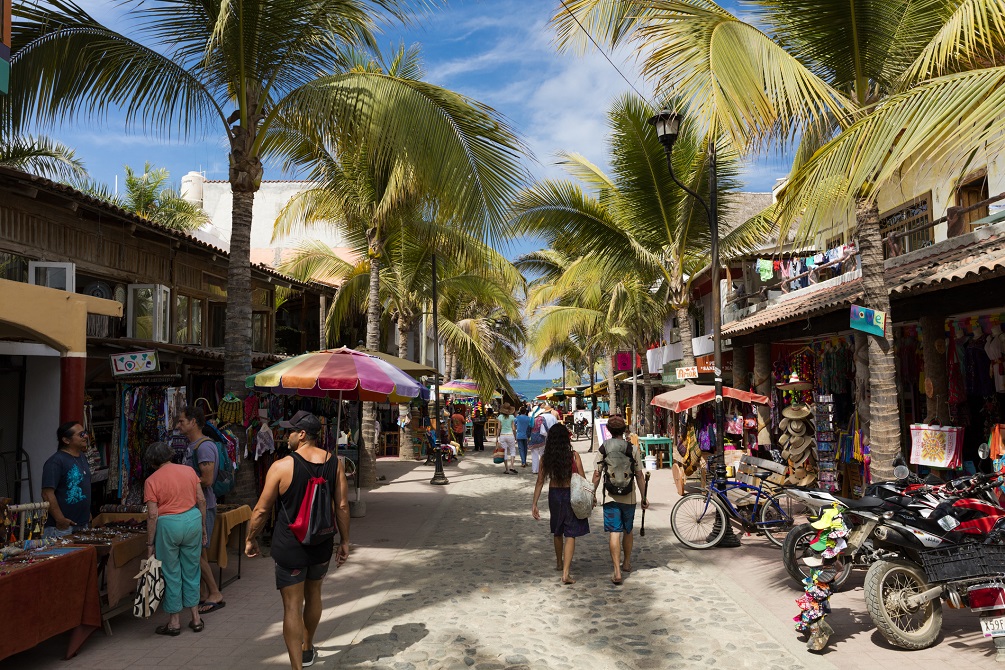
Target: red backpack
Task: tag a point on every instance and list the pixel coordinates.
(315, 522)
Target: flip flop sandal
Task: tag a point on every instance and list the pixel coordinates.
(212, 606)
(164, 630)
(197, 627)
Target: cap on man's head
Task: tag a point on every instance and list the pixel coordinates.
(304, 421)
(616, 423)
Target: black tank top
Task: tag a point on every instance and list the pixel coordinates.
(286, 549)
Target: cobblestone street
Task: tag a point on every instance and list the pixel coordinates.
(462, 576)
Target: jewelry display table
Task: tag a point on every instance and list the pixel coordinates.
(118, 564)
(57, 592)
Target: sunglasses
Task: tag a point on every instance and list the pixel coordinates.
(82, 433)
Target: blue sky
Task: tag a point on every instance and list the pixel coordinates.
(500, 52)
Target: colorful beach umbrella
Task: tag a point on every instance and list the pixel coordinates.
(337, 373)
(460, 387)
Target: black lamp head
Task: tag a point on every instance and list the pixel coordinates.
(667, 124)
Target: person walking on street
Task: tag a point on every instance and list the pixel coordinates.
(66, 483)
(543, 422)
(620, 464)
(176, 532)
(523, 427)
(507, 438)
(557, 466)
(190, 423)
(302, 565)
(478, 420)
(457, 424)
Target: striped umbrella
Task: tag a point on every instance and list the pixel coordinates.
(460, 387)
(337, 373)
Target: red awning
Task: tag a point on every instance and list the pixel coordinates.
(690, 395)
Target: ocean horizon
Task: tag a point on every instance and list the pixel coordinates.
(530, 387)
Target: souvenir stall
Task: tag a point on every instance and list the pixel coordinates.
(62, 582)
(144, 413)
(974, 350)
(692, 426)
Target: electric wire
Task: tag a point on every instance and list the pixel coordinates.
(604, 54)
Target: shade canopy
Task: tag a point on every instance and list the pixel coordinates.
(600, 388)
(337, 373)
(690, 395)
(461, 387)
(558, 393)
(408, 367)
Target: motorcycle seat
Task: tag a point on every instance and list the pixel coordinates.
(863, 503)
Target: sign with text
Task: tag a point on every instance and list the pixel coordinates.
(690, 372)
(706, 364)
(868, 320)
(135, 362)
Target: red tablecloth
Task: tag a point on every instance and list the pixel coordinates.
(48, 598)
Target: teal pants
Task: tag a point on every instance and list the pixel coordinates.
(179, 547)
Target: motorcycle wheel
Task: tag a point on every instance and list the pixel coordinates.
(886, 585)
(697, 524)
(795, 545)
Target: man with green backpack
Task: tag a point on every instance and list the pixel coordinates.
(620, 465)
(206, 460)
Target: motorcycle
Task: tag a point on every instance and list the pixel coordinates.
(582, 428)
(906, 493)
(956, 556)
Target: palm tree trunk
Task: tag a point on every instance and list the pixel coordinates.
(612, 388)
(368, 457)
(647, 384)
(245, 179)
(635, 392)
(593, 404)
(884, 410)
(404, 433)
(684, 328)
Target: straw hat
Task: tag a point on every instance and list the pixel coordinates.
(506, 408)
(783, 424)
(796, 412)
(784, 439)
(798, 427)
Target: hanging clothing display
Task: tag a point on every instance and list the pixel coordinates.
(146, 416)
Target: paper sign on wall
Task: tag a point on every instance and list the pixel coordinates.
(135, 362)
(868, 320)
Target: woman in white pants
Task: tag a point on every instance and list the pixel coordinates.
(507, 438)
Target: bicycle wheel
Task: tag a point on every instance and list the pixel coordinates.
(698, 522)
(775, 523)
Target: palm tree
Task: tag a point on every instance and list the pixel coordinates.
(42, 156)
(636, 220)
(254, 70)
(147, 195)
(896, 70)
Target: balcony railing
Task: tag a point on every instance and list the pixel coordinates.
(900, 242)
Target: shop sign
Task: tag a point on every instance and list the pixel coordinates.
(690, 372)
(868, 320)
(670, 372)
(623, 361)
(135, 362)
(706, 364)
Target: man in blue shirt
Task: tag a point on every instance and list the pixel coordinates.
(66, 483)
(523, 426)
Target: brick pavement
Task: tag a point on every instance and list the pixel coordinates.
(461, 576)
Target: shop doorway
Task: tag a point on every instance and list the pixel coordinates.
(13, 463)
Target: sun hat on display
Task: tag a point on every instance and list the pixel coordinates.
(798, 412)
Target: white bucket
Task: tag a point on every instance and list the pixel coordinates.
(650, 462)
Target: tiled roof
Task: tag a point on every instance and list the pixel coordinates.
(968, 258)
(972, 257)
(814, 303)
(124, 214)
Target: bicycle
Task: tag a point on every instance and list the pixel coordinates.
(708, 513)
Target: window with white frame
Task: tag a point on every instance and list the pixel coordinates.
(62, 276)
(148, 312)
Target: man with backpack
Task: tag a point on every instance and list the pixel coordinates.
(620, 465)
(206, 460)
(310, 488)
(543, 421)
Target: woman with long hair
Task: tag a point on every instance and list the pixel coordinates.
(557, 465)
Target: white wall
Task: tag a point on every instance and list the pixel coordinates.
(41, 417)
(218, 202)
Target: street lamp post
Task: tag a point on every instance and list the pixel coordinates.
(667, 124)
(439, 478)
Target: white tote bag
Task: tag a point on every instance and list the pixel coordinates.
(149, 588)
(581, 493)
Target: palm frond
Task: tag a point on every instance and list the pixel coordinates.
(972, 36)
(42, 156)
